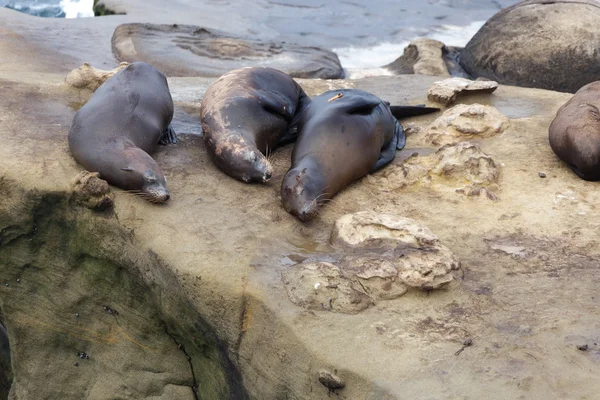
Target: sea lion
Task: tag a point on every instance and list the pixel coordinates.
(245, 115)
(574, 133)
(342, 136)
(123, 121)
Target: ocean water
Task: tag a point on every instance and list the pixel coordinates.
(365, 34)
(52, 8)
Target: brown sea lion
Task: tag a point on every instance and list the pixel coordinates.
(245, 115)
(342, 136)
(574, 133)
(123, 121)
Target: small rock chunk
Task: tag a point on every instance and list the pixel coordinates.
(446, 91)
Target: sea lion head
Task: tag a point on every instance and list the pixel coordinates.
(143, 177)
(253, 166)
(303, 191)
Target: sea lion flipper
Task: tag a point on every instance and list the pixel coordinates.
(169, 136)
(273, 103)
(411, 111)
(388, 152)
(401, 136)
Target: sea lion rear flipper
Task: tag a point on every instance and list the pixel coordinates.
(363, 106)
(169, 136)
(273, 103)
(411, 111)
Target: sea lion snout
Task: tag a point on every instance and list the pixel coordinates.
(301, 193)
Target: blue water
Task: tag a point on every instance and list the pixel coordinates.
(39, 8)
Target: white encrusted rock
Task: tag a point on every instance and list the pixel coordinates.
(446, 91)
(89, 77)
(464, 122)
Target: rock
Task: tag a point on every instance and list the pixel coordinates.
(446, 91)
(330, 380)
(322, 286)
(541, 44)
(421, 260)
(421, 56)
(453, 165)
(464, 122)
(91, 191)
(89, 77)
(197, 51)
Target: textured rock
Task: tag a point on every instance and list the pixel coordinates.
(322, 286)
(463, 167)
(330, 380)
(89, 77)
(446, 91)
(91, 191)
(421, 260)
(187, 50)
(464, 122)
(421, 56)
(541, 44)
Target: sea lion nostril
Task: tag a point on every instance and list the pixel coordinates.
(268, 175)
(167, 196)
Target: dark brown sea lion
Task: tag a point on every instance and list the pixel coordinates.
(245, 115)
(124, 120)
(575, 132)
(342, 136)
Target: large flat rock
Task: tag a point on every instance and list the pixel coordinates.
(208, 265)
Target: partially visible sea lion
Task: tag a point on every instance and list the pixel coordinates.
(123, 121)
(342, 136)
(575, 132)
(245, 115)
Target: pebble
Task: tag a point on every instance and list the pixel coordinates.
(582, 347)
(541, 174)
(330, 380)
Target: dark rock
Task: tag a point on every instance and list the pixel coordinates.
(188, 50)
(330, 380)
(542, 44)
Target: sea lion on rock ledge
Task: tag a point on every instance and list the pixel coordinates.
(342, 136)
(124, 120)
(245, 115)
(574, 133)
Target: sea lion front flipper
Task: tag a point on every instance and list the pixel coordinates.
(411, 111)
(388, 152)
(169, 136)
(273, 103)
(401, 136)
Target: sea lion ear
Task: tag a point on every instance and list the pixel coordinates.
(127, 169)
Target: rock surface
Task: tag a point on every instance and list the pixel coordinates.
(209, 268)
(542, 44)
(188, 50)
(460, 167)
(89, 77)
(423, 57)
(446, 91)
(381, 256)
(465, 122)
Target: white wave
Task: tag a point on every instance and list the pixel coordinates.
(77, 8)
(371, 59)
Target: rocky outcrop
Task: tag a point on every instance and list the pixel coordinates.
(197, 51)
(541, 44)
(428, 57)
(89, 77)
(460, 167)
(464, 122)
(446, 91)
(382, 257)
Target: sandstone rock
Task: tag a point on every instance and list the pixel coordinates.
(447, 91)
(323, 287)
(89, 77)
(461, 166)
(421, 56)
(421, 260)
(542, 44)
(91, 191)
(465, 121)
(330, 380)
(187, 50)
